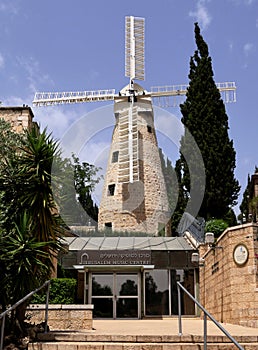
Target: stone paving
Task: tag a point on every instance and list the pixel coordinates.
(166, 327)
(153, 334)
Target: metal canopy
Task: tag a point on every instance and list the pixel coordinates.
(127, 243)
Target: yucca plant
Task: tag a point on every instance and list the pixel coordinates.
(27, 262)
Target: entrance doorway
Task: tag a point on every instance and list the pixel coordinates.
(115, 295)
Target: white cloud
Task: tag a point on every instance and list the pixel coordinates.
(243, 2)
(10, 7)
(15, 101)
(34, 75)
(57, 119)
(248, 48)
(231, 46)
(201, 14)
(1, 61)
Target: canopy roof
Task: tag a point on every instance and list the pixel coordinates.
(127, 243)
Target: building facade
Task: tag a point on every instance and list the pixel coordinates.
(132, 277)
(20, 118)
(229, 276)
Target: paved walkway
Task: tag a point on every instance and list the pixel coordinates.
(166, 327)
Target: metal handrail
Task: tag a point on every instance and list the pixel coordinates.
(3, 314)
(206, 313)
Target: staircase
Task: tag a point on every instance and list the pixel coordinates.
(155, 334)
(83, 341)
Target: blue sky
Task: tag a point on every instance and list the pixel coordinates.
(79, 45)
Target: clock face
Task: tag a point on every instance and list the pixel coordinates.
(240, 254)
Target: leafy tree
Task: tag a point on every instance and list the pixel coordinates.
(217, 226)
(181, 201)
(248, 204)
(205, 117)
(10, 185)
(175, 195)
(74, 185)
(85, 181)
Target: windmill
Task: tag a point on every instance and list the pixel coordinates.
(134, 194)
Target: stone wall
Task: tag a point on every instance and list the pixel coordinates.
(63, 317)
(229, 291)
(20, 118)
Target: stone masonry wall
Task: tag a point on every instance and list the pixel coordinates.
(20, 118)
(63, 317)
(227, 290)
(142, 205)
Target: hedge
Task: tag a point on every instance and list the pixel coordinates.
(62, 291)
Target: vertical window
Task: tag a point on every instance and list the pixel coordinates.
(111, 189)
(157, 292)
(149, 128)
(115, 157)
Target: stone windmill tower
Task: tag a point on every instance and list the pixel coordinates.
(134, 194)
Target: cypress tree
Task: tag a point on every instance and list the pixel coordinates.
(204, 116)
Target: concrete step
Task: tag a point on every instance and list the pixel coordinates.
(137, 346)
(90, 341)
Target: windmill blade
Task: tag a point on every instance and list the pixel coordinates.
(128, 146)
(55, 98)
(134, 48)
(172, 96)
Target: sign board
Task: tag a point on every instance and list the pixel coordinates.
(114, 257)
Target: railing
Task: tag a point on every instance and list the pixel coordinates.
(206, 313)
(3, 314)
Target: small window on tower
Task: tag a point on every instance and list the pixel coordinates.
(115, 157)
(111, 189)
(108, 224)
(149, 128)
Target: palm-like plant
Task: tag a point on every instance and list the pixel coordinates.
(37, 154)
(29, 222)
(27, 261)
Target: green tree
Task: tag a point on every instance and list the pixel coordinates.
(27, 264)
(217, 226)
(244, 206)
(35, 162)
(205, 117)
(10, 185)
(175, 195)
(74, 183)
(29, 222)
(248, 204)
(85, 181)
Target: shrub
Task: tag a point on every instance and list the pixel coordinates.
(62, 291)
(217, 226)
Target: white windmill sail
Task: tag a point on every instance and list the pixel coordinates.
(134, 48)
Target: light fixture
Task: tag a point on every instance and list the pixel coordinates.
(209, 238)
(195, 258)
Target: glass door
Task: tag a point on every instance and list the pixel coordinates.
(115, 295)
(102, 291)
(127, 295)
